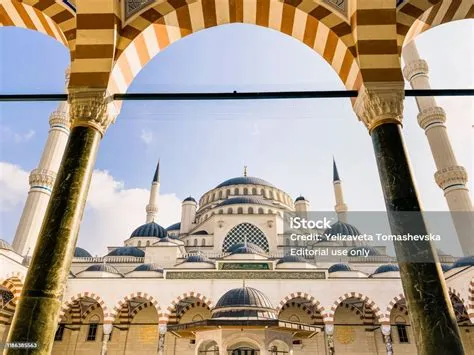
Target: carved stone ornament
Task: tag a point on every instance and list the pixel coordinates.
(59, 118)
(91, 108)
(451, 176)
(42, 177)
(414, 68)
(376, 106)
(431, 117)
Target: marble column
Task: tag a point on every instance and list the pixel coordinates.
(107, 330)
(161, 338)
(387, 338)
(450, 176)
(37, 311)
(329, 332)
(430, 310)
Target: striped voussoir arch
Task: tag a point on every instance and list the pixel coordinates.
(197, 295)
(117, 313)
(84, 295)
(470, 307)
(47, 17)
(443, 12)
(316, 317)
(14, 284)
(391, 304)
(308, 22)
(379, 316)
(175, 316)
(314, 302)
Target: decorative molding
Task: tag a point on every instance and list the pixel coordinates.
(91, 108)
(340, 5)
(453, 175)
(43, 178)
(131, 7)
(415, 68)
(59, 119)
(431, 116)
(380, 105)
(187, 275)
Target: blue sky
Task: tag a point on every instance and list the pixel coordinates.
(289, 143)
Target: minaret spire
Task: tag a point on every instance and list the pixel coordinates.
(152, 207)
(340, 207)
(245, 170)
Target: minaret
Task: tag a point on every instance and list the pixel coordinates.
(340, 207)
(42, 180)
(152, 207)
(450, 176)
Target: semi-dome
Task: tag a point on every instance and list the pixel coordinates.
(127, 251)
(189, 199)
(102, 268)
(244, 180)
(244, 302)
(466, 261)
(148, 267)
(291, 259)
(386, 268)
(342, 229)
(300, 198)
(372, 251)
(151, 229)
(245, 200)
(201, 232)
(81, 253)
(174, 227)
(339, 267)
(4, 245)
(198, 258)
(245, 248)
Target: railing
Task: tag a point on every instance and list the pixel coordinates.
(109, 259)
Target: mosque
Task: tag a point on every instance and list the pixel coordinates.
(222, 280)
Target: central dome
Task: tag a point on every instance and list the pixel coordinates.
(151, 229)
(244, 302)
(244, 180)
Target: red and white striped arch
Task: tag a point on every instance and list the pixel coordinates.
(329, 316)
(192, 294)
(194, 17)
(20, 14)
(302, 295)
(141, 295)
(85, 295)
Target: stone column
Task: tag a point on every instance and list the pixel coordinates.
(329, 332)
(431, 312)
(107, 330)
(40, 301)
(450, 176)
(42, 180)
(161, 339)
(387, 338)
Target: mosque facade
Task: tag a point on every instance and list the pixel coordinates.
(222, 280)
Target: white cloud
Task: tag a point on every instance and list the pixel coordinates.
(8, 134)
(146, 136)
(112, 211)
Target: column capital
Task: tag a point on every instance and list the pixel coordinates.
(414, 68)
(431, 116)
(386, 329)
(329, 329)
(59, 119)
(451, 177)
(43, 179)
(107, 328)
(91, 108)
(378, 105)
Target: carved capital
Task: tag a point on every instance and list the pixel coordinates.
(414, 68)
(433, 115)
(91, 108)
(59, 119)
(340, 207)
(42, 178)
(329, 329)
(376, 106)
(451, 176)
(151, 209)
(386, 329)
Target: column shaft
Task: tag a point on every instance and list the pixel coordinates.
(431, 312)
(35, 319)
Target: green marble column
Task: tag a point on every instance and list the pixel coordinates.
(37, 312)
(431, 313)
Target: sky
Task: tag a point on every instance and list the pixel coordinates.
(289, 143)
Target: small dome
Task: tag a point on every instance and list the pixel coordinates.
(445, 267)
(245, 248)
(148, 267)
(198, 258)
(201, 232)
(102, 268)
(4, 245)
(245, 200)
(151, 229)
(339, 267)
(244, 180)
(174, 227)
(127, 251)
(189, 199)
(244, 302)
(386, 268)
(466, 261)
(291, 259)
(300, 198)
(372, 251)
(342, 228)
(81, 253)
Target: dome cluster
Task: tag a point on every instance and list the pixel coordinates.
(244, 180)
(151, 229)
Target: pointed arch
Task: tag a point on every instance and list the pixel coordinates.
(71, 301)
(118, 306)
(14, 284)
(379, 316)
(159, 26)
(192, 294)
(391, 304)
(314, 302)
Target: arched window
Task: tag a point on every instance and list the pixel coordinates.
(221, 211)
(229, 211)
(139, 243)
(246, 191)
(260, 210)
(187, 242)
(271, 195)
(236, 191)
(240, 210)
(148, 243)
(262, 192)
(254, 191)
(245, 232)
(203, 242)
(195, 242)
(227, 193)
(250, 210)
(220, 194)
